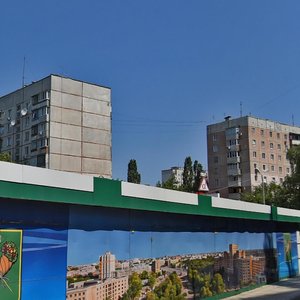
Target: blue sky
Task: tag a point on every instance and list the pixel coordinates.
(173, 66)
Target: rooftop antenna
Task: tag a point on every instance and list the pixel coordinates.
(23, 73)
(241, 108)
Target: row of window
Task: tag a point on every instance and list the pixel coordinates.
(264, 168)
(271, 145)
(262, 133)
(263, 156)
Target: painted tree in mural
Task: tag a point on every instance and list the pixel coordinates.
(170, 288)
(132, 173)
(135, 287)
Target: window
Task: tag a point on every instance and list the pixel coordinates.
(271, 146)
(279, 157)
(26, 150)
(273, 179)
(214, 137)
(34, 130)
(281, 180)
(35, 115)
(278, 146)
(271, 133)
(272, 168)
(272, 156)
(262, 143)
(1, 129)
(262, 132)
(288, 170)
(26, 136)
(33, 146)
(255, 166)
(9, 114)
(35, 99)
(8, 141)
(253, 142)
(216, 159)
(280, 169)
(263, 155)
(45, 95)
(18, 107)
(264, 167)
(254, 153)
(253, 130)
(27, 120)
(285, 136)
(278, 135)
(215, 148)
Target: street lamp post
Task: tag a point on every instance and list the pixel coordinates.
(263, 184)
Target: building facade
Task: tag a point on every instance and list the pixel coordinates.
(244, 152)
(58, 123)
(177, 172)
(107, 266)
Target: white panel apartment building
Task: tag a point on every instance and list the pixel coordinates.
(59, 123)
(236, 147)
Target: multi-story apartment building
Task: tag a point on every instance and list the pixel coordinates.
(107, 266)
(58, 123)
(112, 288)
(244, 152)
(177, 172)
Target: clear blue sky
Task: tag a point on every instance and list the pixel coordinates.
(173, 66)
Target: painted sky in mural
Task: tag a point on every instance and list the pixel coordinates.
(85, 247)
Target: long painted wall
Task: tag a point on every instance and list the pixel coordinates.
(56, 226)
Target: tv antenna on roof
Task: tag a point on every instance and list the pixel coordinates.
(23, 73)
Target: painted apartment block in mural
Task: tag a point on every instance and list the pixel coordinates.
(144, 265)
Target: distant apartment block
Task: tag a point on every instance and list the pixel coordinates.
(245, 151)
(177, 172)
(58, 123)
(107, 266)
(112, 288)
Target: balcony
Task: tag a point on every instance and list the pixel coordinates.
(233, 160)
(234, 183)
(234, 172)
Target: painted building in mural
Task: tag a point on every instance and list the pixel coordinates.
(95, 238)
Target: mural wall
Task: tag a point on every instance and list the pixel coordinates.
(116, 254)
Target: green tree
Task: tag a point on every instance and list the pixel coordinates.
(272, 194)
(5, 156)
(132, 173)
(197, 170)
(151, 280)
(188, 175)
(170, 184)
(135, 287)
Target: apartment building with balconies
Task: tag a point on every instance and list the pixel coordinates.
(244, 152)
(58, 123)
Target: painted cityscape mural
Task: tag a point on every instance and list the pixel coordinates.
(179, 265)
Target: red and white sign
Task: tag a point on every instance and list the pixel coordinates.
(203, 185)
